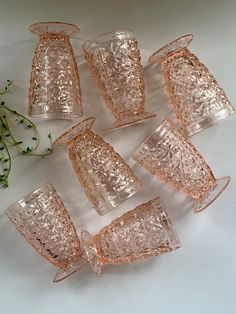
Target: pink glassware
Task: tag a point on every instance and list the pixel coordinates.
(138, 234)
(169, 155)
(43, 220)
(114, 61)
(197, 99)
(54, 85)
(105, 177)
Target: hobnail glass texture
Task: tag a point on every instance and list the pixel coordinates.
(170, 156)
(138, 234)
(114, 61)
(105, 177)
(196, 97)
(54, 85)
(43, 220)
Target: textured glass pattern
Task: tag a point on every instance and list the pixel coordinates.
(114, 60)
(197, 99)
(54, 85)
(43, 220)
(105, 177)
(168, 155)
(138, 234)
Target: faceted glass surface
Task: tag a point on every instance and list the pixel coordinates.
(138, 234)
(54, 85)
(114, 60)
(197, 99)
(105, 177)
(43, 220)
(169, 155)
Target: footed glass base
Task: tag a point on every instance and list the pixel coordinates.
(174, 46)
(211, 195)
(71, 269)
(54, 28)
(91, 252)
(132, 119)
(73, 132)
(220, 115)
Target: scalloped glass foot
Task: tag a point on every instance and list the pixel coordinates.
(91, 252)
(212, 195)
(54, 28)
(174, 46)
(132, 119)
(64, 273)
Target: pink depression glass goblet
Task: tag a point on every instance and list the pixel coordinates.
(197, 99)
(169, 155)
(114, 61)
(43, 220)
(54, 85)
(138, 234)
(105, 177)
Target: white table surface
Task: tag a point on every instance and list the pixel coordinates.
(199, 277)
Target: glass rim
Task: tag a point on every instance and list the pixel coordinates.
(163, 122)
(29, 195)
(106, 37)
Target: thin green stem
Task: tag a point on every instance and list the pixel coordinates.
(30, 125)
(7, 87)
(7, 139)
(6, 165)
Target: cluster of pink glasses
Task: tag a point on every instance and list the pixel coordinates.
(107, 180)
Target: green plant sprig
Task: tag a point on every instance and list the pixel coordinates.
(7, 86)
(5, 161)
(8, 140)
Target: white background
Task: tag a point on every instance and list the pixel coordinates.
(199, 277)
